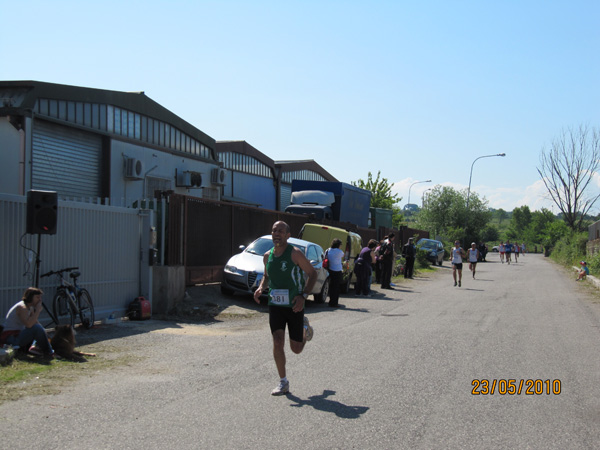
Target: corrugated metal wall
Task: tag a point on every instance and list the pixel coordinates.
(104, 241)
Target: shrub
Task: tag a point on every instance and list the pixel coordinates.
(421, 259)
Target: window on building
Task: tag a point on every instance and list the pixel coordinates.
(122, 122)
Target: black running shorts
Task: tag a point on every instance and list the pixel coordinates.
(280, 316)
(458, 266)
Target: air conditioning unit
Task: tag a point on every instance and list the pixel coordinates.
(217, 176)
(183, 178)
(188, 179)
(134, 169)
(196, 179)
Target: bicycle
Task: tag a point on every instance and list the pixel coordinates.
(71, 300)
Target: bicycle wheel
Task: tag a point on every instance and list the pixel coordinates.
(86, 309)
(61, 307)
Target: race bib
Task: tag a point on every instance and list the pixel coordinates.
(279, 297)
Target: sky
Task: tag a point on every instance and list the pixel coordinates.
(415, 90)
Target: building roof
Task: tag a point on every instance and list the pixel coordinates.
(20, 97)
(242, 147)
(306, 164)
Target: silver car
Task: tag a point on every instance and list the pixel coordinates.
(244, 271)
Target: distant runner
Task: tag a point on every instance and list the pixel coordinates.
(457, 256)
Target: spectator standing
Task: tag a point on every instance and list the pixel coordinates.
(483, 250)
(387, 261)
(378, 263)
(363, 268)
(372, 245)
(335, 256)
(409, 251)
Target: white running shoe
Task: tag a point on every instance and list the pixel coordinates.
(282, 388)
(308, 330)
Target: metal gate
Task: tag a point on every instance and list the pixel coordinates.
(66, 160)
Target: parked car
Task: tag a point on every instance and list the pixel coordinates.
(435, 250)
(323, 235)
(496, 248)
(244, 271)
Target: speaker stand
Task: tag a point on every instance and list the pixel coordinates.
(37, 277)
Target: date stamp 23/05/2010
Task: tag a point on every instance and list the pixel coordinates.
(515, 387)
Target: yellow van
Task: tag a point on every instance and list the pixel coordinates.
(351, 245)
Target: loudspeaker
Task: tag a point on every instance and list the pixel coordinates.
(42, 211)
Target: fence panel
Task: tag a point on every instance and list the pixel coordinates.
(103, 241)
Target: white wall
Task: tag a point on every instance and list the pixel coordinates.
(156, 164)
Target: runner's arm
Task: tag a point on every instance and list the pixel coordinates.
(264, 283)
(300, 260)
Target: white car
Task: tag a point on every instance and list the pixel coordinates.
(244, 271)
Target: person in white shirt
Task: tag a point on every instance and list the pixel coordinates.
(22, 327)
(457, 256)
(473, 257)
(335, 256)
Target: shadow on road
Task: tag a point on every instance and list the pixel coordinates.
(322, 403)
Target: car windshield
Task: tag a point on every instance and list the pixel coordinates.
(260, 246)
(431, 245)
(263, 245)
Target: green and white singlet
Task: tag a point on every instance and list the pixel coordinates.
(286, 279)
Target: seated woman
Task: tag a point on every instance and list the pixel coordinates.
(583, 272)
(22, 327)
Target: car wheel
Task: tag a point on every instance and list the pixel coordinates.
(322, 296)
(440, 262)
(226, 291)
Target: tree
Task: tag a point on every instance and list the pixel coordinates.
(567, 169)
(490, 234)
(521, 218)
(445, 214)
(381, 191)
(381, 196)
(553, 232)
(500, 215)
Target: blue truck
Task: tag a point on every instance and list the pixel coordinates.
(331, 200)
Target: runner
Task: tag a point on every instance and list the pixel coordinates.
(501, 249)
(473, 257)
(457, 255)
(508, 251)
(284, 267)
(516, 251)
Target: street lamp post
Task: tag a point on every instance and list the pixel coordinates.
(424, 196)
(416, 182)
(471, 175)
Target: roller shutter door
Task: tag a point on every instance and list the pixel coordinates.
(66, 160)
(285, 196)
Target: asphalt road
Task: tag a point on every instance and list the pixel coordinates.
(393, 371)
